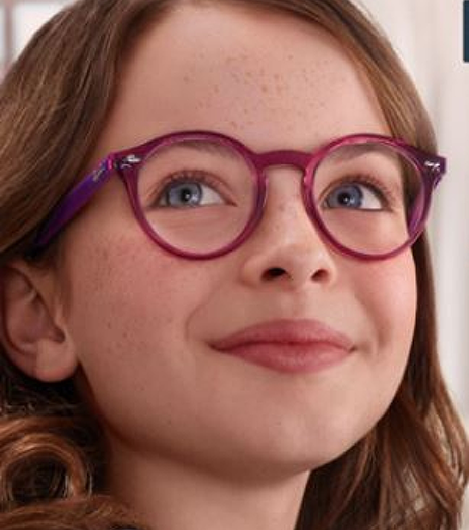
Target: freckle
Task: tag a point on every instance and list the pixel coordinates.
(265, 89)
(248, 74)
(186, 78)
(216, 89)
(234, 125)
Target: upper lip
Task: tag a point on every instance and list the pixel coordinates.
(305, 331)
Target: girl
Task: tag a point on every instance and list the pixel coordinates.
(216, 298)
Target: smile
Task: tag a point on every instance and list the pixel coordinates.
(288, 346)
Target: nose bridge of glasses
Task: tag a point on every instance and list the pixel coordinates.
(284, 166)
(283, 158)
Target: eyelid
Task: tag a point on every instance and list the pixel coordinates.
(384, 193)
(190, 175)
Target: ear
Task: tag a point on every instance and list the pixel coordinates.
(31, 323)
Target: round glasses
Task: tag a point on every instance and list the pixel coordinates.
(199, 195)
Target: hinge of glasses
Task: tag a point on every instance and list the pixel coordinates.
(435, 171)
(434, 167)
(128, 161)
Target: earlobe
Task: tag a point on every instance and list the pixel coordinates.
(33, 339)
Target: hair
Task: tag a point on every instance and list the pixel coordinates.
(408, 473)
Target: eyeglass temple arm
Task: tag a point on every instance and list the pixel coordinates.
(73, 202)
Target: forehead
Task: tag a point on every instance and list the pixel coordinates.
(268, 79)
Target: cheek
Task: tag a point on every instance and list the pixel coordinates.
(131, 283)
(382, 311)
(389, 298)
(388, 301)
(129, 311)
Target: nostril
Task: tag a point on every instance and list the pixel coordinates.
(320, 275)
(273, 273)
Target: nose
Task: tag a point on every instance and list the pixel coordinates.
(286, 248)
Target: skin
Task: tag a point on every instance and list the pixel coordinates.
(194, 435)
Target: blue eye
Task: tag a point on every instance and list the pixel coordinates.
(189, 193)
(185, 194)
(354, 196)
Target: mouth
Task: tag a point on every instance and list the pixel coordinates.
(288, 346)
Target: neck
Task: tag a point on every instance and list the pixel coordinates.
(167, 494)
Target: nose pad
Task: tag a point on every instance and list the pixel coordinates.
(286, 247)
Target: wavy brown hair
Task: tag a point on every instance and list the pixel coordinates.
(408, 473)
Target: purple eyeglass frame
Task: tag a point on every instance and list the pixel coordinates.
(126, 164)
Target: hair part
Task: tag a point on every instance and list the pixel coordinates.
(409, 472)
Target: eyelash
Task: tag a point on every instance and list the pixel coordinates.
(183, 176)
(384, 194)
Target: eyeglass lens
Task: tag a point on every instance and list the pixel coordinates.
(199, 195)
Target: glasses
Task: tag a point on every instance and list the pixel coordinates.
(199, 195)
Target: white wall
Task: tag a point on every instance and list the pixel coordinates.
(28, 16)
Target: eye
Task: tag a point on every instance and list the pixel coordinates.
(355, 196)
(184, 191)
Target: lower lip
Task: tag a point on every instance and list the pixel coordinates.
(290, 358)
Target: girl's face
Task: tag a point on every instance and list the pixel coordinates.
(143, 322)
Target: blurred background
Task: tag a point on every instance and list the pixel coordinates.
(428, 35)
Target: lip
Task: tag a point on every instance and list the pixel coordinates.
(288, 346)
